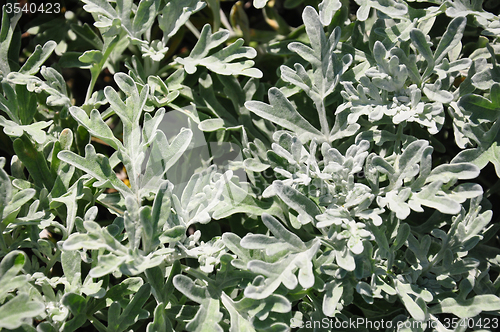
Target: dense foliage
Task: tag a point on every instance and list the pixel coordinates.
(213, 165)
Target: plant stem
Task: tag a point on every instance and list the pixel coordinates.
(52, 261)
(96, 69)
(152, 67)
(3, 246)
(225, 22)
(193, 29)
(325, 129)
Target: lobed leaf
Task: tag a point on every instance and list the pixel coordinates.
(283, 113)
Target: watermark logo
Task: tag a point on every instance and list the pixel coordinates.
(359, 323)
(221, 160)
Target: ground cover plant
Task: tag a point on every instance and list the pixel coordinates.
(250, 166)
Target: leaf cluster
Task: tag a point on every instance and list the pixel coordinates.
(187, 189)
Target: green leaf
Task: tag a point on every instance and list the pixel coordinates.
(85, 31)
(111, 20)
(96, 165)
(220, 62)
(403, 232)
(131, 110)
(12, 210)
(434, 93)
(345, 259)
(283, 113)
(412, 306)
(306, 208)
(122, 291)
(10, 104)
(53, 85)
(95, 126)
(326, 10)
(162, 206)
(78, 306)
(451, 38)
(169, 284)
(37, 58)
(208, 99)
(281, 233)
(163, 156)
(430, 197)
(209, 125)
(70, 199)
(113, 316)
(160, 323)
(119, 321)
(10, 266)
(365, 291)
(333, 294)
(262, 309)
(447, 172)
(418, 39)
(282, 272)
(176, 13)
(255, 165)
(238, 199)
(326, 68)
(486, 77)
(71, 265)
(466, 308)
(100, 6)
(15, 311)
(35, 162)
(208, 316)
(319, 43)
(405, 162)
(91, 57)
(6, 34)
(34, 130)
(72, 60)
(106, 264)
(145, 16)
(27, 107)
(480, 108)
(239, 323)
(388, 7)
(133, 312)
(42, 327)
(232, 242)
(151, 124)
(5, 187)
(160, 94)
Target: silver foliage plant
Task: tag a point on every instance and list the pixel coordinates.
(335, 208)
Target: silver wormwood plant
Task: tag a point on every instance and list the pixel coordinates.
(215, 173)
